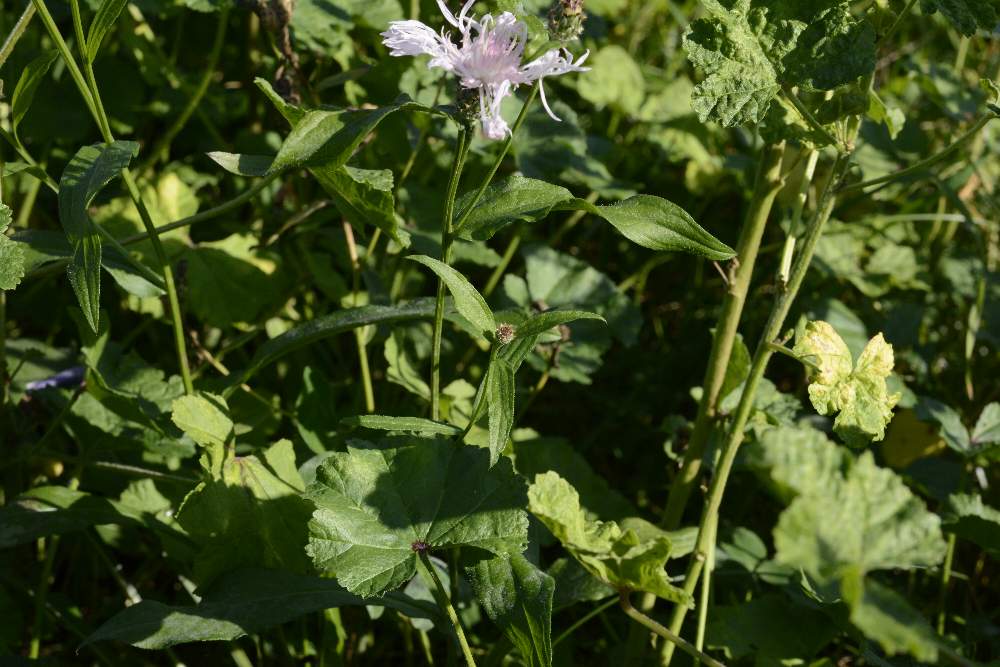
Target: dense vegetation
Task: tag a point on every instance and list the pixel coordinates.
(610, 333)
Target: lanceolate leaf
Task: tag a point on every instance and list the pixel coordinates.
(103, 23)
(377, 505)
(517, 596)
(87, 173)
(542, 322)
(24, 91)
(329, 138)
(242, 165)
(500, 394)
(648, 221)
(415, 424)
(468, 301)
(51, 510)
(363, 196)
(241, 603)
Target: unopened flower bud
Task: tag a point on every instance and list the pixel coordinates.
(566, 19)
(505, 333)
(467, 101)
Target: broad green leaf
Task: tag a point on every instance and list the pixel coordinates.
(966, 15)
(887, 618)
(468, 301)
(377, 504)
(289, 112)
(517, 596)
(750, 49)
(986, 432)
(971, 519)
(500, 394)
(508, 201)
(797, 460)
(87, 173)
(331, 325)
(614, 80)
(205, 418)
(648, 221)
(253, 516)
(614, 554)
(11, 254)
(103, 23)
(542, 322)
(858, 392)
(329, 138)
(414, 424)
(241, 164)
(891, 116)
(27, 84)
(658, 224)
(233, 285)
(865, 521)
(952, 430)
(240, 603)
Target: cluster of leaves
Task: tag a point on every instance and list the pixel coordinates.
(306, 493)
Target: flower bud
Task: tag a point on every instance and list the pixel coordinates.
(566, 19)
(505, 333)
(467, 102)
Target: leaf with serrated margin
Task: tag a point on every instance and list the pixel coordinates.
(377, 504)
(500, 394)
(966, 15)
(205, 418)
(11, 254)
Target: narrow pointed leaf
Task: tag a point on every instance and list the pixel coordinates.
(416, 424)
(27, 84)
(103, 23)
(542, 322)
(468, 301)
(241, 164)
(500, 394)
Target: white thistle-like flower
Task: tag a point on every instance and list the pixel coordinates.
(488, 58)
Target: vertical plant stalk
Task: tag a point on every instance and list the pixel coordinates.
(359, 336)
(162, 147)
(16, 32)
(91, 97)
(767, 186)
(945, 581)
(461, 151)
(762, 356)
(430, 577)
(672, 638)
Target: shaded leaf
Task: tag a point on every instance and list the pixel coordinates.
(377, 503)
(500, 394)
(415, 424)
(24, 92)
(11, 254)
(971, 519)
(240, 603)
(966, 15)
(104, 21)
(241, 164)
(887, 618)
(517, 596)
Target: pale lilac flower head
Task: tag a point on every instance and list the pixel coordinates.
(488, 59)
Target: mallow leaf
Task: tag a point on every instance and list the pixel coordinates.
(11, 254)
(517, 596)
(857, 391)
(887, 618)
(468, 301)
(797, 461)
(617, 555)
(253, 516)
(205, 419)
(864, 521)
(966, 15)
(378, 505)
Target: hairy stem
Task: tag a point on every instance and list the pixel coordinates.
(672, 638)
(447, 229)
(359, 335)
(762, 356)
(430, 577)
(768, 185)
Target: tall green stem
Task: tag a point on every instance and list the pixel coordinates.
(92, 98)
(430, 577)
(762, 355)
(16, 32)
(447, 228)
(672, 638)
(768, 185)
